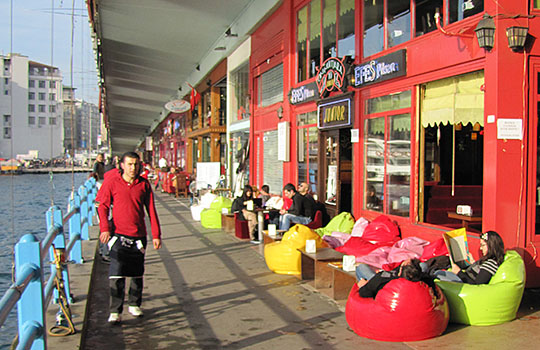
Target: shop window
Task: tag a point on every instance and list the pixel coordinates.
(459, 9)
(308, 150)
(207, 109)
(399, 22)
(270, 86)
(240, 91)
(272, 167)
(336, 20)
(42, 84)
(240, 155)
(451, 148)
(373, 27)
(425, 16)
(536, 4)
(206, 149)
(222, 105)
(388, 167)
(195, 119)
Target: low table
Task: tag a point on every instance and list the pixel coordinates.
(268, 239)
(342, 282)
(315, 266)
(227, 222)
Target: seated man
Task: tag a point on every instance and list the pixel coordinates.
(300, 212)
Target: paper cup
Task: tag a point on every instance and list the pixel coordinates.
(249, 205)
(225, 210)
(272, 230)
(311, 246)
(349, 262)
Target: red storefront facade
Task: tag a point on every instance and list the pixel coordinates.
(457, 125)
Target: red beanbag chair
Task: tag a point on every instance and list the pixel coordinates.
(358, 246)
(382, 229)
(401, 311)
(437, 248)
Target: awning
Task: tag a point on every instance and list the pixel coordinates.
(454, 100)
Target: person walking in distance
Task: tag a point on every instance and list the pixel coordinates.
(126, 232)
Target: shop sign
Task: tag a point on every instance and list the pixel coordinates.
(178, 106)
(380, 69)
(330, 76)
(304, 93)
(335, 114)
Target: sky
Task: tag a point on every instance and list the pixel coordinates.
(29, 33)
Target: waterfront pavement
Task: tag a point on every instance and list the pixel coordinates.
(205, 289)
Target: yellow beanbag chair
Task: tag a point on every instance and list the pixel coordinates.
(283, 257)
(488, 304)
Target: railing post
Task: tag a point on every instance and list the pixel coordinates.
(30, 308)
(75, 228)
(90, 185)
(83, 192)
(54, 219)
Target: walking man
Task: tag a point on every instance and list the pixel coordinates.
(126, 233)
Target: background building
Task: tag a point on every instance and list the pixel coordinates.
(86, 123)
(31, 108)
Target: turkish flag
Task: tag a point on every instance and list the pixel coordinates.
(194, 98)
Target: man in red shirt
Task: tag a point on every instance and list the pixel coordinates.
(130, 195)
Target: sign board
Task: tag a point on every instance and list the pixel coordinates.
(334, 114)
(149, 144)
(380, 69)
(283, 141)
(510, 129)
(304, 93)
(178, 106)
(330, 76)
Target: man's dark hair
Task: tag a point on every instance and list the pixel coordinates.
(128, 155)
(412, 271)
(289, 187)
(265, 188)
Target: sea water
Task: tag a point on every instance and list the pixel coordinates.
(24, 200)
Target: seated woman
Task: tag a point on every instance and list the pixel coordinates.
(409, 269)
(240, 205)
(481, 271)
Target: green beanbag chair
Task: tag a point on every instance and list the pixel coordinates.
(211, 217)
(488, 304)
(283, 257)
(343, 222)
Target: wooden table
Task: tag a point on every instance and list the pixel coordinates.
(315, 266)
(342, 282)
(268, 239)
(466, 220)
(227, 222)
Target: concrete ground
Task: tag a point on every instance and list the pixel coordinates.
(205, 289)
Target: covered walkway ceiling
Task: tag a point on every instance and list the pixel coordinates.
(147, 49)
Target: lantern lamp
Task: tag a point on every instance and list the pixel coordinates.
(516, 37)
(485, 32)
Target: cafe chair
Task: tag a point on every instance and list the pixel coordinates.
(241, 228)
(488, 304)
(401, 311)
(317, 221)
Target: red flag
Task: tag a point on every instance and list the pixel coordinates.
(194, 98)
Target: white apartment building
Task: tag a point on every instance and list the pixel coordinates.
(31, 108)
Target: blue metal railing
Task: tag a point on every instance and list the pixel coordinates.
(28, 291)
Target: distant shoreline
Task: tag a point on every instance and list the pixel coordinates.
(54, 170)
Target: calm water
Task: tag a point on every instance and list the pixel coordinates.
(24, 201)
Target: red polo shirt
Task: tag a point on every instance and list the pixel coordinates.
(129, 201)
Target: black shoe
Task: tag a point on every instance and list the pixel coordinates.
(106, 259)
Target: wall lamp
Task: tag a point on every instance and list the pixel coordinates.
(516, 37)
(230, 34)
(485, 32)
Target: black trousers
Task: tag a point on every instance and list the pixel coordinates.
(118, 286)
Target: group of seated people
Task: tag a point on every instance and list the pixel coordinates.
(301, 210)
(477, 272)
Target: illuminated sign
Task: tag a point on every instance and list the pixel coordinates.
(380, 69)
(330, 76)
(335, 114)
(304, 93)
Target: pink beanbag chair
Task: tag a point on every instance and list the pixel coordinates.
(401, 311)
